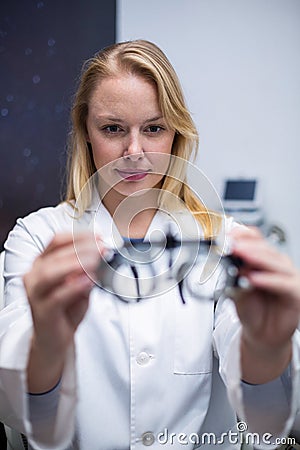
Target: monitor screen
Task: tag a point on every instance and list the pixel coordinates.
(240, 190)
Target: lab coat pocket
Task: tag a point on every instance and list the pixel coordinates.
(193, 337)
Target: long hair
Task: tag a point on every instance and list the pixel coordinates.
(146, 60)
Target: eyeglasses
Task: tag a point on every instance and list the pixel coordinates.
(142, 270)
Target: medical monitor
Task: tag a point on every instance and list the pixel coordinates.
(241, 194)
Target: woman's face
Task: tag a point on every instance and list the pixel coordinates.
(131, 141)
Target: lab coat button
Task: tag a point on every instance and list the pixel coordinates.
(143, 358)
(148, 438)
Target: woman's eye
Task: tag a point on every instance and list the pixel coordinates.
(112, 129)
(154, 129)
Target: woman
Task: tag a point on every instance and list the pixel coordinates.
(155, 372)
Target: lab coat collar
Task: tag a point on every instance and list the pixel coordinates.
(102, 224)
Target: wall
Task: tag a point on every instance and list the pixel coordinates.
(240, 69)
(42, 47)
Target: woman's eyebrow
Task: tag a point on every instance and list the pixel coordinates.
(111, 118)
(118, 119)
(154, 119)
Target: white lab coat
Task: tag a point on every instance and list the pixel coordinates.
(141, 372)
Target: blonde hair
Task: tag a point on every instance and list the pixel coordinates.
(144, 59)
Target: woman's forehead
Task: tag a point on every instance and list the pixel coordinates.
(119, 96)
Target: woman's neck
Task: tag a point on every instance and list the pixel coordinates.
(132, 215)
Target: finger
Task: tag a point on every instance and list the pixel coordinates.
(77, 256)
(283, 285)
(63, 296)
(249, 232)
(62, 267)
(58, 241)
(66, 239)
(76, 289)
(66, 301)
(65, 262)
(88, 251)
(262, 255)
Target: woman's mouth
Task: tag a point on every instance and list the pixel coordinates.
(132, 175)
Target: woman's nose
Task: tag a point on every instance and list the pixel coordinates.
(134, 149)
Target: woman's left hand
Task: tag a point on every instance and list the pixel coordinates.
(269, 310)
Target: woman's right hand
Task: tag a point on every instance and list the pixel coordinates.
(58, 287)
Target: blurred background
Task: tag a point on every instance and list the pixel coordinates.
(42, 47)
(239, 63)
